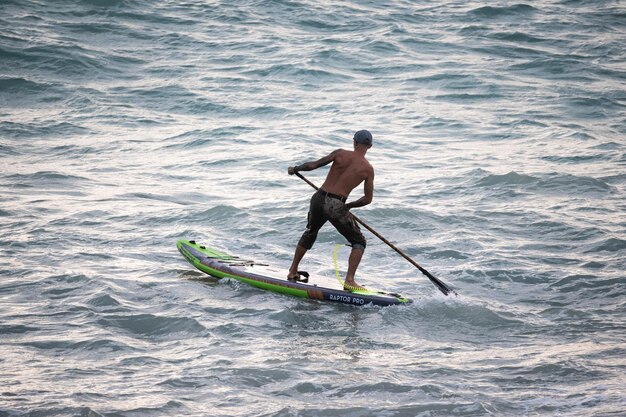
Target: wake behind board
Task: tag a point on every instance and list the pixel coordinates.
(221, 265)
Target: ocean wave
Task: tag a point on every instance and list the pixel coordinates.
(150, 325)
(48, 180)
(109, 3)
(74, 151)
(549, 372)
(574, 183)
(62, 60)
(609, 245)
(511, 178)
(609, 146)
(577, 159)
(7, 150)
(564, 183)
(103, 300)
(580, 282)
(295, 72)
(518, 37)
(555, 68)
(515, 10)
(448, 254)
(42, 408)
(465, 97)
(220, 213)
(50, 128)
(10, 329)
(14, 90)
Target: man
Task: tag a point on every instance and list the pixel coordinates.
(348, 170)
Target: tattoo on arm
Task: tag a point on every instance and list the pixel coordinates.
(363, 201)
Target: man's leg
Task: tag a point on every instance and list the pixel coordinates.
(353, 263)
(315, 220)
(297, 257)
(348, 227)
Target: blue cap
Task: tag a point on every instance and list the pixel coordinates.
(364, 137)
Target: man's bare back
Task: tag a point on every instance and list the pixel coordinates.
(348, 170)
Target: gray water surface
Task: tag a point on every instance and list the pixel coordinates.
(499, 151)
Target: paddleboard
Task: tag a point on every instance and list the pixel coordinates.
(221, 265)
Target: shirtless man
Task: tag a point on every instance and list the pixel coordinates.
(348, 170)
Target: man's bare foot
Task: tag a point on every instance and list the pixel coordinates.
(300, 276)
(352, 286)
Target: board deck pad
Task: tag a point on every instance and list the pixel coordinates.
(222, 265)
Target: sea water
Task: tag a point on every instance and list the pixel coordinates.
(500, 156)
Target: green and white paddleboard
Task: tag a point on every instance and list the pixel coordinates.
(222, 265)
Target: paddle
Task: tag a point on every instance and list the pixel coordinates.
(438, 283)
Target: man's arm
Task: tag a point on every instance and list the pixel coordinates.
(310, 166)
(368, 188)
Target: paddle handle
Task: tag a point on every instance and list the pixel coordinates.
(438, 283)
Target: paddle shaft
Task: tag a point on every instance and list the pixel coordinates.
(438, 283)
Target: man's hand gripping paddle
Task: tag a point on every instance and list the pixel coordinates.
(438, 283)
